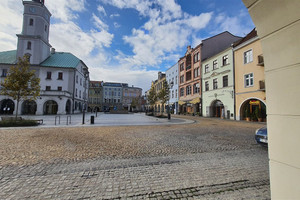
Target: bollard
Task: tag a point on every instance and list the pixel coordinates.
(92, 119)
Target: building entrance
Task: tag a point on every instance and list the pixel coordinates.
(7, 107)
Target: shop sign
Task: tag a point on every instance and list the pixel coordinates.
(254, 102)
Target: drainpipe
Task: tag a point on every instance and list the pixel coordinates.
(73, 97)
(234, 101)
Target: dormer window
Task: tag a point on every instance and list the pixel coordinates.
(30, 22)
(29, 45)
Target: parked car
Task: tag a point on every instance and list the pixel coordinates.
(261, 136)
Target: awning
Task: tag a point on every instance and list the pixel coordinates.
(181, 102)
(194, 101)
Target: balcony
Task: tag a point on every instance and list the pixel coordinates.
(260, 59)
(55, 93)
(262, 85)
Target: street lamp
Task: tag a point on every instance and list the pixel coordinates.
(169, 114)
(86, 74)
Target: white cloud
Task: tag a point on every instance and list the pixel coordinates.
(114, 15)
(239, 24)
(99, 23)
(65, 10)
(10, 24)
(101, 10)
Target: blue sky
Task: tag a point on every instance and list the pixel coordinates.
(129, 40)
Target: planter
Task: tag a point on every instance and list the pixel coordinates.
(248, 119)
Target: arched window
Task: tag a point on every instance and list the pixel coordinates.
(29, 45)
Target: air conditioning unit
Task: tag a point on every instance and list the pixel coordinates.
(260, 60)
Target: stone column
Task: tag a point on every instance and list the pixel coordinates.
(278, 26)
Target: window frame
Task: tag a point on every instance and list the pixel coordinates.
(206, 68)
(250, 79)
(49, 76)
(246, 56)
(225, 81)
(215, 84)
(188, 89)
(206, 86)
(225, 60)
(60, 76)
(215, 64)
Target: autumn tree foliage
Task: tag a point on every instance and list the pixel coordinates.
(21, 82)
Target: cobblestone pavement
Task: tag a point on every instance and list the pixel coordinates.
(209, 159)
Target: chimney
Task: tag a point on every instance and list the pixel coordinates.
(52, 50)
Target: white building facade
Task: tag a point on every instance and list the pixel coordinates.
(172, 79)
(63, 77)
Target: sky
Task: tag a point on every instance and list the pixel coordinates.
(129, 41)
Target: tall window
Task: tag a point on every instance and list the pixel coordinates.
(181, 66)
(225, 81)
(206, 68)
(206, 86)
(48, 75)
(176, 93)
(248, 56)
(181, 92)
(172, 93)
(4, 73)
(196, 88)
(176, 80)
(46, 27)
(188, 76)
(196, 57)
(30, 22)
(215, 64)
(60, 76)
(76, 92)
(188, 90)
(249, 80)
(182, 79)
(225, 60)
(77, 79)
(196, 72)
(215, 83)
(29, 45)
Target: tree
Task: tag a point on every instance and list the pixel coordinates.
(164, 93)
(152, 96)
(135, 103)
(21, 82)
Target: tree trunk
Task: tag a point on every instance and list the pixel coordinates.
(18, 99)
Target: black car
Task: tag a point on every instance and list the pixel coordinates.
(261, 136)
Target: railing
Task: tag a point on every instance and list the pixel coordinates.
(55, 93)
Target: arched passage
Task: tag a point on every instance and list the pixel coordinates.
(253, 109)
(68, 107)
(7, 107)
(28, 107)
(50, 107)
(217, 109)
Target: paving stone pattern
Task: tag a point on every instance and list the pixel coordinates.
(210, 159)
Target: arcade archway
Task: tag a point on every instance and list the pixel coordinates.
(217, 109)
(253, 110)
(7, 107)
(50, 108)
(29, 107)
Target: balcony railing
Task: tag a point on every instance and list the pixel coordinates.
(262, 85)
(55, 93)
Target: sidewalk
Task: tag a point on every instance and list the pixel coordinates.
(104, 119)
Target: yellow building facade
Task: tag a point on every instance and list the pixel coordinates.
(250, 94)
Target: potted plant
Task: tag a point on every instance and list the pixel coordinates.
(247, 114)
(258, 114)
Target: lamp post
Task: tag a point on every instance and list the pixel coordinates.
(86, 74)
(169, 114)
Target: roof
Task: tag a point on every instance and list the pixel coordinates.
(249, 36)
(216, 44)
(8, 57)
(61, 59)
(58, 59)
